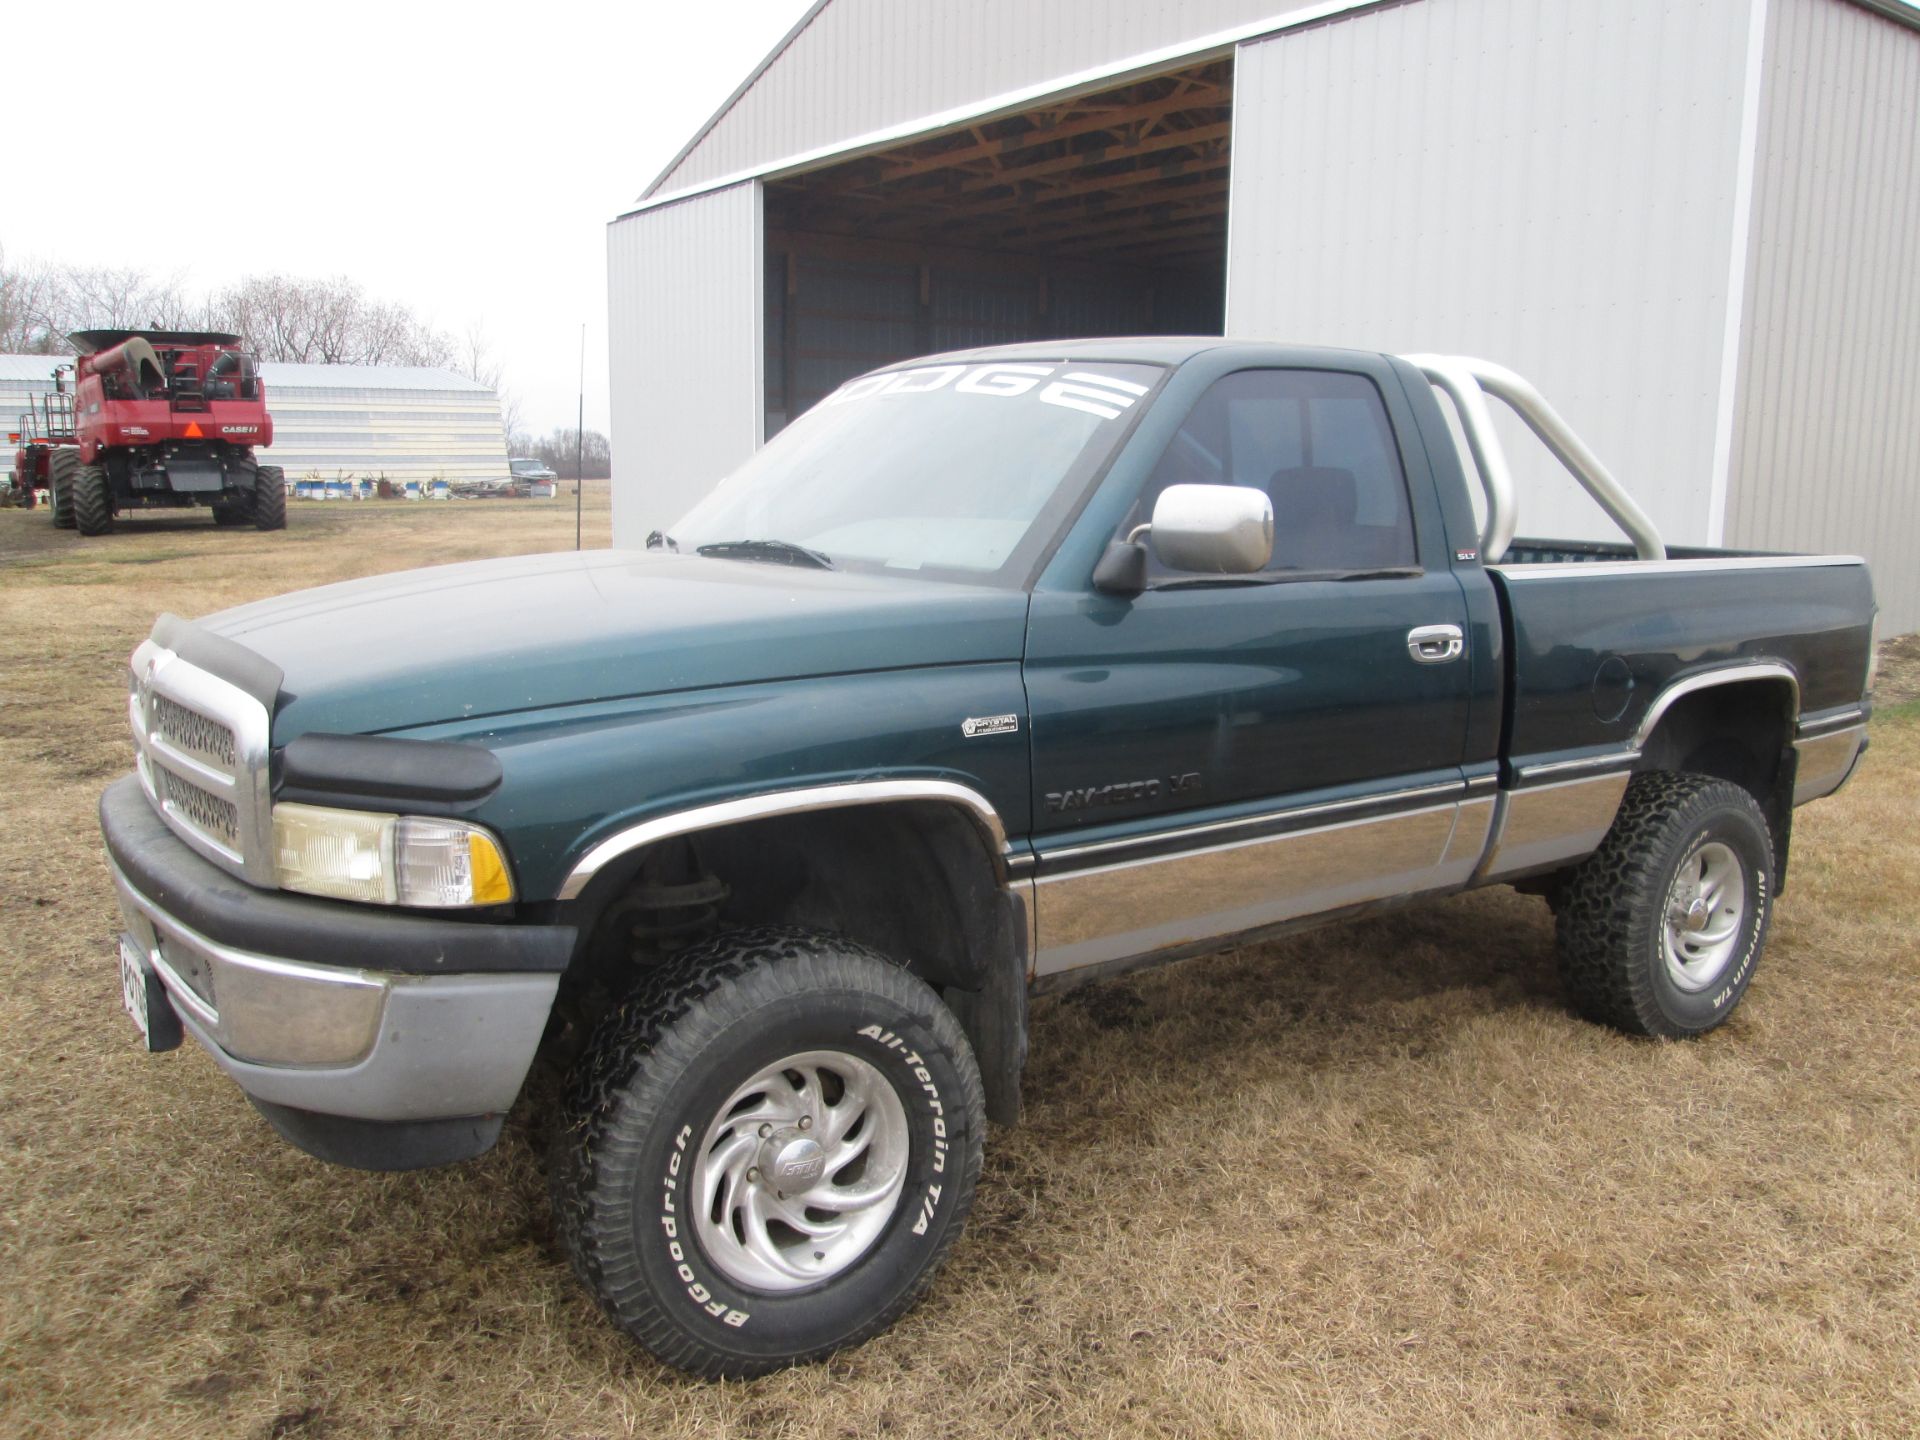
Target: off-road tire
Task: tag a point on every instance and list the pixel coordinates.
(62, 462)
(652, 1080)
(270, 498)
(1611, 926)
(92, 500)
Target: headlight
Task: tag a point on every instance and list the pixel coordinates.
(387, 859)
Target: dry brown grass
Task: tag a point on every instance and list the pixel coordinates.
(1370, 1181)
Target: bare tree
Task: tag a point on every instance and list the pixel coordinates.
(28, 309)
(477, 363)
(41, 304)
(559, 448)
(511, 416)
(326, 322)
(280, 317)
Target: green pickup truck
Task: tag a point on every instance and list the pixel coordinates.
(996, 672)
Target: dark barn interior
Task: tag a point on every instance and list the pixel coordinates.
(1104, 214)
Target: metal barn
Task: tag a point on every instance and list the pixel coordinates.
(1695, 224)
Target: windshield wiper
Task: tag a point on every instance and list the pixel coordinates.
(660, 540)
(783, 552)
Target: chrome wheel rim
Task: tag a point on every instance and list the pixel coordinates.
(800, 1171)
(1706, 907)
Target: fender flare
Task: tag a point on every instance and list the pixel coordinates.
(789, 802)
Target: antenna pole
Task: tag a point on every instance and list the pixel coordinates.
(580, 438)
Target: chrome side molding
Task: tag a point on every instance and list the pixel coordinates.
(1594, 569)
(1827, 761)
(789, 802)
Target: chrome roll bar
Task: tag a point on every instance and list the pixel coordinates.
(1467, 383)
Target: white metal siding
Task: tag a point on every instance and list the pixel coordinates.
(1550, 186)
(1827, 438)
(358, 422)
(684, 341)
(864, 65)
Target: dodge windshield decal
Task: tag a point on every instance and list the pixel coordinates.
(1107, 396)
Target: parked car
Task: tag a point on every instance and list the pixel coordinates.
(532, 478)
(996, 672)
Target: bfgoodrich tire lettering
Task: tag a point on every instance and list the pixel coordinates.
(647, 1094)
(1689, 860)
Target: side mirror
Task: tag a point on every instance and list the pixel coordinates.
(1207, 529)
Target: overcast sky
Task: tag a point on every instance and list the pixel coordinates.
(462, 158)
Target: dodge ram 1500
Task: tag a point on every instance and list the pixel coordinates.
(995, 672)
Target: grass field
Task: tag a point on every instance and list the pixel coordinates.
(1370, 1181)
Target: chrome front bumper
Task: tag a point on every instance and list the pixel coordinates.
(368, 1036)
(358, 1043)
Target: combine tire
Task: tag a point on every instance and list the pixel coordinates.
(1661, 928)
(61, 465)
(766, 1151)
(92, 500)
(270, 498)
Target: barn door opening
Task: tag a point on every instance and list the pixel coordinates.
(1087, 215)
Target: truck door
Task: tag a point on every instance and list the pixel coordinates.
(1220, 754)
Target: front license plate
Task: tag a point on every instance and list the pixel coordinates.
(146, 999)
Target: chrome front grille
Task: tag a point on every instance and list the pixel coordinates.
(201, 748)
(192, 732)
(203, 810)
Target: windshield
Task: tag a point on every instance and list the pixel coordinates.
(525, 467)
(952, 471)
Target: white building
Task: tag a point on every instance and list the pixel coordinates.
(1694, 223)
(334, 421)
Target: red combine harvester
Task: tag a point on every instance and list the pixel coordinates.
(165, 419)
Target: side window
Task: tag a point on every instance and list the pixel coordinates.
(1318, 443)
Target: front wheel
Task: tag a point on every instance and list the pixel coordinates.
(92, 500)
(270, 498)
(767, 1151)
(1661, 928)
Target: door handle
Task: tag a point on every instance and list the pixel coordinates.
(1435, 644)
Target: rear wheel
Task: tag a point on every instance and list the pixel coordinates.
(1661, 928)
(92, 500)
(61, 465)
(766, 1152)
(270, 498)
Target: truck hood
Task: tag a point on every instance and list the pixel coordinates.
(457, 641)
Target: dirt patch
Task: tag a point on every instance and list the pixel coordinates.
(1373, 1180)
(1897, 679)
